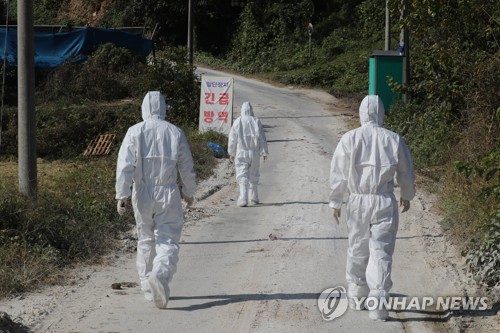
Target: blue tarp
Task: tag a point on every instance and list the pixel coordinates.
(53, 49)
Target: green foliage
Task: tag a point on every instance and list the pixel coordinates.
(170, 73)
(63, 132)
(248, 41)
(214, 21)
(371, 19)
(66, 218)
(483, 253)
(488, 170)
(45, 11)
(12, 4)
(112, 58)
(429, 133)
(447, 52)
(108, 74)
(207, 59)
(453, 116)
(74, 219)
(268, 35)
(163, 17)
(203, 156)
(331, 15)
(70, 112)
(10, 87)
(119, 13)
(24, 266)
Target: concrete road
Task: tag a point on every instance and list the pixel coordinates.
(231, 277)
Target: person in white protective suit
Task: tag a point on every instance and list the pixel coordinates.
(363, 168)
(152, 153)
(247, 143)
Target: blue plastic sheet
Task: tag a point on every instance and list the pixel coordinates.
(217, 149)
(53, 49)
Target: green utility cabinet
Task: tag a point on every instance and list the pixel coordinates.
(383, 64)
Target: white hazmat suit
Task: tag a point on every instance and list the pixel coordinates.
(152, 153)
(247, 142)
(363, 167)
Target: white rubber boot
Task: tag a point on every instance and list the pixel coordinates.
(160, 293)
(379, 313)
(243, 198)
(254, 195)
(146, 289)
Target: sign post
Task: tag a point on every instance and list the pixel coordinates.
(309, 28)
(216, 104)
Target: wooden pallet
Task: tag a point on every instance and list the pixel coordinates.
(101, 145)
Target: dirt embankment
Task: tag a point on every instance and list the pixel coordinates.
(82, 12)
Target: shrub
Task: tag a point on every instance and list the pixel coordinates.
(74, 219)
(203, 156)
(63, 132)
(108, 74)
(427, 131)
(70, 112)
(171, 73)
(482, 191)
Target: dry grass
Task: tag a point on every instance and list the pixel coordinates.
(47, 172)
(72, 221)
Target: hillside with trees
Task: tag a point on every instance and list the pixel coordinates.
(450, 118)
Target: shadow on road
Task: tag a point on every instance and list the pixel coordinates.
(220, 300)
(286, 239)
(421, 236)
(284, 140)
(404, 315)
(297, 117)
(288, 203)
(263, 240)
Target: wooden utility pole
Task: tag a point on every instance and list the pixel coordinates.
(406, 43)
(387, 27)
(26, 100)
(190, 32)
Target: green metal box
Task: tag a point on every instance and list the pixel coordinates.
(384, 64)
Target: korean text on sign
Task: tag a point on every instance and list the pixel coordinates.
(216, 104)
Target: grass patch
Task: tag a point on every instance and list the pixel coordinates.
(74, 219)
(203, 156)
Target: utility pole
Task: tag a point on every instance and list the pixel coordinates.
(26, 100)
(404, 44)
(387, 27)
(190, 32)
(309, 28)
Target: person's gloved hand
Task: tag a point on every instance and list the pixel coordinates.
(405, 204)
(336, 215)
(189, 201)
(121, 206)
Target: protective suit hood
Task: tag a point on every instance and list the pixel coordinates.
(246, 109)
(154, 106)
(371, 111)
